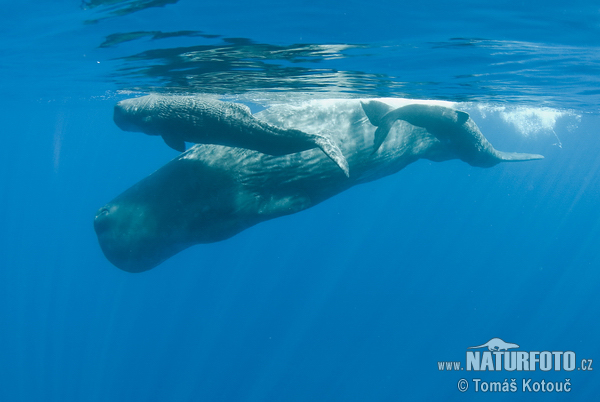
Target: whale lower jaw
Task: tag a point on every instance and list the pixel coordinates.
(517, 157)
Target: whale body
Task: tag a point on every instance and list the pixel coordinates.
(212, 192)
(180, 119)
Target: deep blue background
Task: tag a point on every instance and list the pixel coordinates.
(355, 299)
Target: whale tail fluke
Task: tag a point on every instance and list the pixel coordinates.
(517, 157)
(333, 152)
(375, 111)
(380, 135)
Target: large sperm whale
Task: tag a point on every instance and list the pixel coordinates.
(181, 119)
(453, 127)
(212, 192)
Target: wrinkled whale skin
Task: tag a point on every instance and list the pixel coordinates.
(179, 119)
(212, 192)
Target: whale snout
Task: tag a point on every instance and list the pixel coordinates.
(136, 114)
(126, 239)
(102, 218)
(124, 116)
(110, 236)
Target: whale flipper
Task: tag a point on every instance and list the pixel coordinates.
(176, 143)
(333, 152)
(517, 156)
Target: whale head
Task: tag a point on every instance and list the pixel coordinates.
(186, 202)
(137, 114)
(128, 237)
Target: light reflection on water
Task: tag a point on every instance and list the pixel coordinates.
(459, 69)
(115, 8)
(130, 49)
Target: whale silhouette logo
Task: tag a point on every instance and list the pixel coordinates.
(496, 345)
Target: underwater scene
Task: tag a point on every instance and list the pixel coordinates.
(308, 201)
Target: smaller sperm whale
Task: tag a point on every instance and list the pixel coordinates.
(452, 127)
(181, 119)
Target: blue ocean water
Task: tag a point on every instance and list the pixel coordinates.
(356, 299)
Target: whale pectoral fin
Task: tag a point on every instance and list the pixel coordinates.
(517, 157)
(333, 152)
(176, 143)
(462, 117)
(375, 111)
